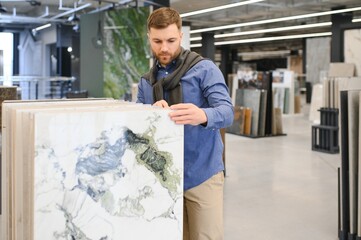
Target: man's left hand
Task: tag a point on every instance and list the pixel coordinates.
(187, 113)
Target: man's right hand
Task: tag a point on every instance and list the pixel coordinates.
(161, 103)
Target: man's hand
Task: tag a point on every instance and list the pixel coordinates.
(187, 113)
(161, 103)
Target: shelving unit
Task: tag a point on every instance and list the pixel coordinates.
(325, 134)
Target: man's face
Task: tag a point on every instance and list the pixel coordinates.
(165, 43)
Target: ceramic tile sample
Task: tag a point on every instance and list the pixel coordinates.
(262, 114)
(278, 121)
(127, 52)
(279, 98)
(250, 98)
(316, 103)
(247, 121)
(114, 173)
(352, 49)
(237, 126)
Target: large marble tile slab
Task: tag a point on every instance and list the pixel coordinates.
(352, 49)
(16, 136)
(353, 130)
(101, 172)
(107, 176)
(318, 59)
(126, 52)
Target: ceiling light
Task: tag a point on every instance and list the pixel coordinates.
(266, 30)
(282, 19)
(183, 15)
(356, 20)
(264, 53)
(280, 29)
(267, 39)
(42, 27)
(34, 31)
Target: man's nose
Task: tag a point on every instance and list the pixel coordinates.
(164, 47)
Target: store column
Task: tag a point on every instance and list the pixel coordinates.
(337, 34)
(225, 62)
(208, 48)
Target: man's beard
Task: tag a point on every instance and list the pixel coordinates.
(164, 58)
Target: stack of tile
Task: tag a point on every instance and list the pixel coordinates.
(255, 115)
(90, 169)
(332, 87)
(350, 174)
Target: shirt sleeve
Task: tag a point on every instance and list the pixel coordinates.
(220, 111)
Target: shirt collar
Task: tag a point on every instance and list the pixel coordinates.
(170, 65)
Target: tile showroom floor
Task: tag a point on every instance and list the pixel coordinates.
(277, 188)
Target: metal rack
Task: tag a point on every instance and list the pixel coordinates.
(39, 87)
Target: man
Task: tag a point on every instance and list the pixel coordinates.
(194, 88)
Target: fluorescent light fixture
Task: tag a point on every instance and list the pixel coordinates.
(280, 29)
(267, 39)
(42, 27)
(282, 19)
(264, 53)
(267, 30)
(356, 20)
(114, 27)
(183, 15)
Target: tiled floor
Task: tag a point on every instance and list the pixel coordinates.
(277, 188)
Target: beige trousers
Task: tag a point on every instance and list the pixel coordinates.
(203, 210)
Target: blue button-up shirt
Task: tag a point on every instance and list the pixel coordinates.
(204, 86)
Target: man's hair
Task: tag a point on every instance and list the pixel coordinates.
(163, 17)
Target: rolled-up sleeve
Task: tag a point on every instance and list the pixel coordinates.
(220, 110)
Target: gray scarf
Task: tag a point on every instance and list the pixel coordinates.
(185, 61)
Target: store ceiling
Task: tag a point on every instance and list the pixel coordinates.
(29, 13)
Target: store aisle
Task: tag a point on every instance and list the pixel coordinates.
(277, 188)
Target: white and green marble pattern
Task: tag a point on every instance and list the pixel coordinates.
(126, 51)
(109, 175)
